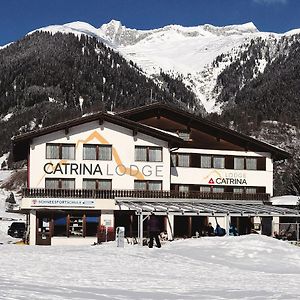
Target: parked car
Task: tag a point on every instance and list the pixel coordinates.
(17, 229)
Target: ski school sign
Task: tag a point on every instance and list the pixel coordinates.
(56, 202)
(229, 178)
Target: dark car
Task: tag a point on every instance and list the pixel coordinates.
(17, 229)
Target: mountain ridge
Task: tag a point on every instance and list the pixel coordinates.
(186, 52)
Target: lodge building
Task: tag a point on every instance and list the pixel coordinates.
(115, 169)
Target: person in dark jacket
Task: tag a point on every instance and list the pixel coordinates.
(153, 228)
(210, 230)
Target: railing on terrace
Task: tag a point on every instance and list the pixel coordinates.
(112, 194)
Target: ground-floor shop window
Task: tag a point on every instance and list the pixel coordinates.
(69, 224)
(60, 226)
(76, 225)
(92, 223)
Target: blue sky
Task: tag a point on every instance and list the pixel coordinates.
(17, 17)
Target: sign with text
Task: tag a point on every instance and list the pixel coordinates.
(226, 178)
(54, 202)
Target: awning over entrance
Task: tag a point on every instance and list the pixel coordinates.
(199, 207)
(203, 207)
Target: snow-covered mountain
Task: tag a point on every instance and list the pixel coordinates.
(186, 51)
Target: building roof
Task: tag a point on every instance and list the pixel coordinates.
(203, 207)
(286, 200)
(22, 142)
(201, 124)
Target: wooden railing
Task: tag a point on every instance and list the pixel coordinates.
(137, 194)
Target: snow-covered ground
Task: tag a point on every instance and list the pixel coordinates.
(6, 218)
(247, 267)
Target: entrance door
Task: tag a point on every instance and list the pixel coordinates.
(244, 225)
(43, 233)
(266, 225)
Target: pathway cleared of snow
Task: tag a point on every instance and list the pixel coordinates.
(248, 267)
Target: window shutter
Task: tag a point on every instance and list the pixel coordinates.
(261, 163)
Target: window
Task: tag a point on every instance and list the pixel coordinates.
(75, 225)
(52, 151)
(105, 152)
(96, 184)
(89, 184)
(183, 188)
(144, 153)
(92, 222)
(184, 135)
(89, 152)
(250, 190)
(147, 185)
(140, 153)
(154, 186)
(104, 184)
(205, 161)
(238, 190)
(183, 160)
(51, 183)
(60, 151)
(60, 225)
(205, 189)
(68, 183)
(140, 185)
(218, 189)
(155, 154)
(218, 162)
(248, 163)
(97, 152)
(180, 160)
(239, 163)
(251, 164)
(60, 183)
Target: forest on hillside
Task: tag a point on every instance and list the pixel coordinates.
(45, 79)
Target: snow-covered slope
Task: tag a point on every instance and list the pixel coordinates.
(247, 267)
(188, 51)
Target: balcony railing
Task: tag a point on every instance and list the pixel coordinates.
(137, 194)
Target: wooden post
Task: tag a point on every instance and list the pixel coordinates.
(68, 225)
(84, 225)
(130, 226)
(189, 226)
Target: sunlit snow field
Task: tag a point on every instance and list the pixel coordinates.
(248, 267)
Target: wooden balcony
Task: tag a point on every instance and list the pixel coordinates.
(137, 194)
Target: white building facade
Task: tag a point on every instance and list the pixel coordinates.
(81, 170)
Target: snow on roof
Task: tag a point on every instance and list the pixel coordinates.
(163, 131)
(285, 200)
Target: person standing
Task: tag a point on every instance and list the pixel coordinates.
(209, 230)
(153, 228)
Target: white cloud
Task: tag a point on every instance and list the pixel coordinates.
(271, 1)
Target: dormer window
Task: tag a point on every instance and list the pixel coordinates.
(185, 135)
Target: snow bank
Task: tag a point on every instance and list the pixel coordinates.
(285, 200)
(248, 267)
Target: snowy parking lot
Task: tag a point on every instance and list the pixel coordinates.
(247, 267)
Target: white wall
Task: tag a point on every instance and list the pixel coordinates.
(120, 138)
(188, 175)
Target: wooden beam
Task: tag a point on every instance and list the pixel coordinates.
(134, 132)
(158, 114)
